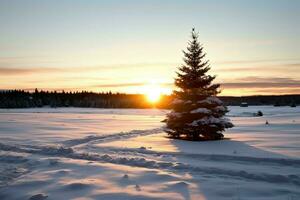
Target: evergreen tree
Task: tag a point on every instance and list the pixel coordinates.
(196, 111)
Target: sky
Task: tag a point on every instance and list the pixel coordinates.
(124, 46)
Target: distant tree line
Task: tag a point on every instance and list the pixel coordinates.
(40, 98)
(275, 100)
(25, 99)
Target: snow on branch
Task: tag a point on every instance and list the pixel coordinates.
(220, 108)
(210, 120)
(174, 114)
(201, 110)
(177, 101)
(211, 100)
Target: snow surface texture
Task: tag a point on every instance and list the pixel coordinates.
(84, 154)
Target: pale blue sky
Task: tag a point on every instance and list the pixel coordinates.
(125, 43)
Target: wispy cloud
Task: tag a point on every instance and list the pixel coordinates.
(261, 82)
(14, 71)
(4, 70)
(18, 71)
(7, 68)
(247, 82)
(258, 61)
(132, 85)
(295, 67)
(116, 85)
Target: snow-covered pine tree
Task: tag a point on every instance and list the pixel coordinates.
(196, 111)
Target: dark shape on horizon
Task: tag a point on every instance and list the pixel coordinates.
(197, 114)
(244, 104)
(259, 114)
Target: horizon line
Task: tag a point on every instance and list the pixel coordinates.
(31, 90)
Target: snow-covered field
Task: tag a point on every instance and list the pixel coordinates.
(85, 153)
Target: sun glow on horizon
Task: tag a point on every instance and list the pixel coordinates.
(153, 96)
(153, 92)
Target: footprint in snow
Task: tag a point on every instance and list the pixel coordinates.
(137, 187)
(125, 176)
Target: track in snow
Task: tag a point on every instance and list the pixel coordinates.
(67, 152)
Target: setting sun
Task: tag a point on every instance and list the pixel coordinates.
(153, 92)
(153, 96)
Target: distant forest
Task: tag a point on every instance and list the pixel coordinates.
(25, 99)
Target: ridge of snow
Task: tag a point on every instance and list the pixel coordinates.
(142, 162)
(119, 135)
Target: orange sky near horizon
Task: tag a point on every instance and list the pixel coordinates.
(137, 78)
(253, 46)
